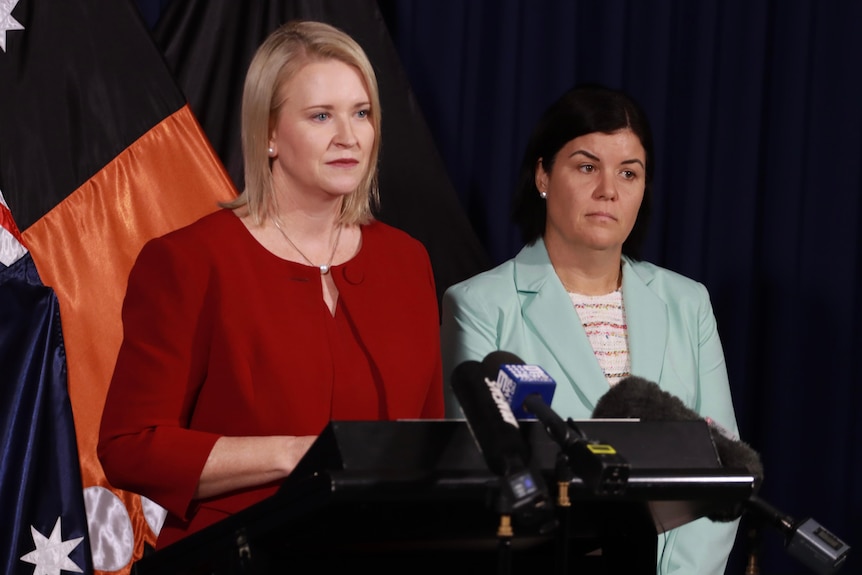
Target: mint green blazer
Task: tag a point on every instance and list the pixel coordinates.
(522, 307)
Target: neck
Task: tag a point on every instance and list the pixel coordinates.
(597, 275)
(577, 282)
(320, 262)
(585, 269)
(305, 213)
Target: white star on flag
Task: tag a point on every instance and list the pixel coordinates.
(52, 553)
(7, 22)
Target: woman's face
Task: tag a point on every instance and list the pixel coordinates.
(323, 136)
(594, 190)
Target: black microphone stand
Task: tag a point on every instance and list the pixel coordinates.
(564, 478)
(504, 545)
(522, 499)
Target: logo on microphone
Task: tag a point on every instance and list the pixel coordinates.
(517, 380)
(502, 403)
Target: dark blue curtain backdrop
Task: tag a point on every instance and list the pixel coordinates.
(756, 107)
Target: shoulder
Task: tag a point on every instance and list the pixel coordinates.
(207, 236)
(528, 271)
(385, 239)
(671, 286)
(221, 221)
(203, 230)
(500, 277)
(380, 232)
(493, 289)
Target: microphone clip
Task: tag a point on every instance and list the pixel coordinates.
(523, 495)
(598, 464)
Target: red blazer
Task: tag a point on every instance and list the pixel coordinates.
(221, 337)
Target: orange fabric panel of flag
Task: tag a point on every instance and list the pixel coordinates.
(84, 248)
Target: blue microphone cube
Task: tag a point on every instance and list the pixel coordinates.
(517, 381)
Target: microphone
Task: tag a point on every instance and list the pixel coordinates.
(598, 465)
(498, 436)
(635, 397)
(516, 380)
(807, 541)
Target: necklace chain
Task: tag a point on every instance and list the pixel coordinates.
(324, 269)
(619, 282)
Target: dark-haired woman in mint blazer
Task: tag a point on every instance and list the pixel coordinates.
(579, 302)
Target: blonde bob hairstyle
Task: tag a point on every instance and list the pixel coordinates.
(286, 51)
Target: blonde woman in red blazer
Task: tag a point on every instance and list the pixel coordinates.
(247, 331)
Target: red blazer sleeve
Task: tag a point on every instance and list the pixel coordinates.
(144, 441)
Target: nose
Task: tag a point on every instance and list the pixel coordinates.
(344, 134)
(606, 188)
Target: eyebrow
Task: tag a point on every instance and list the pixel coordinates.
(597, 159)
(356, 105)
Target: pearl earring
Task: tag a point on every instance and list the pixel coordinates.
(543, 195)
(270, 151)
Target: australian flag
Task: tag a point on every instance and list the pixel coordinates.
(43, 522)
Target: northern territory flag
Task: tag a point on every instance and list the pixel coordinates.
(99, 152)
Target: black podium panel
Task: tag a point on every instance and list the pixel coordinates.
(408, 495)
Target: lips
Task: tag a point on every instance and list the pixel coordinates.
(344, 162)
(602, 215)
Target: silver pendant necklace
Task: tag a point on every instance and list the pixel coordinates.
(324, 269)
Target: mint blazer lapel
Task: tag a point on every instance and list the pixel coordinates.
(551, 320)
(647, 319)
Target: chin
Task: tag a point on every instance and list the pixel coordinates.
(340, 191)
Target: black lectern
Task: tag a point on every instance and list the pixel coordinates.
(416, 496)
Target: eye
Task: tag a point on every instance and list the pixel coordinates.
(320, 116)
(587, 168)
(629, 174)
(363, 113)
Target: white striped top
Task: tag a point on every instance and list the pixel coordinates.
(604, 320)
